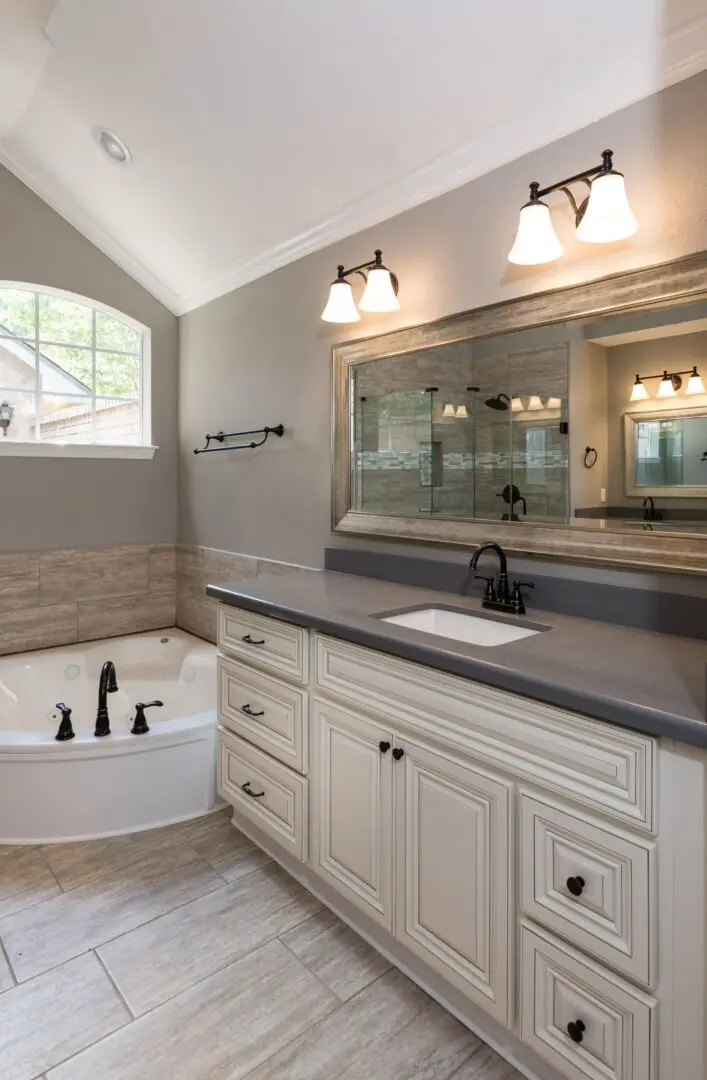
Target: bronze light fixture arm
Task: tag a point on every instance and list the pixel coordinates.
(586, 177)
(362, 268)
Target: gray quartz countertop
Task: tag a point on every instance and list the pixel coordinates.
(651, 682)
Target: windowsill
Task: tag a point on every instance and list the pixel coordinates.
(15, 448)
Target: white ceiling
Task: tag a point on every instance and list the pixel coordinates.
(265, 129)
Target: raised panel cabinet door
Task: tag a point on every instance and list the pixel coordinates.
(352, 808)
(452, 877)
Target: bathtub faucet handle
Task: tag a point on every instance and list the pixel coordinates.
(66, 730)
(140, 725)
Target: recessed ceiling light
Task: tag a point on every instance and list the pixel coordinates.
(114, 147)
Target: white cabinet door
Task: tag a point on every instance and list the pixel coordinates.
(452, 876)
(351, 807)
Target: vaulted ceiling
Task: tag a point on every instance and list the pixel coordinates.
(264, 129)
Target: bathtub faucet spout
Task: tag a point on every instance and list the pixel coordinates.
(107, 684)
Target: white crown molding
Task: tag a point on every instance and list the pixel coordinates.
(675, 57)
(66, 207)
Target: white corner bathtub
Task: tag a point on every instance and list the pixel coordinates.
(88, 787)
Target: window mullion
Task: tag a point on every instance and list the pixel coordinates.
(93, 373)
(37, 374)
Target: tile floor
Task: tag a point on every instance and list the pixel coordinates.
(186, 954)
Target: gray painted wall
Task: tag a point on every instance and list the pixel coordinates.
(261, 355)
(78, 502)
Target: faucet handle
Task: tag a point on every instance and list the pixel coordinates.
(517, 598)
(490, 591)
(66, 730)
(140, 725)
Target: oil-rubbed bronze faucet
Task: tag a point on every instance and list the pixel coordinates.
(498, 597)
(107, 684)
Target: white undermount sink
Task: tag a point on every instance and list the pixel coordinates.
(460, 626)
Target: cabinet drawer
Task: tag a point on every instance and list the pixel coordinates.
(265, 643)
(590, 762)
(588, 1023)
(265, 711)
(588, 884)
(281, 810)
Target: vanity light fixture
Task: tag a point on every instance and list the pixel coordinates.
(670, 383)
(603, 217)
(380, 293)
(449, 410)
(516, 404)
(462, 412)
(554, 403)
(535, 403)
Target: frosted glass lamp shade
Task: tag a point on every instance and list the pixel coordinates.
(695, 384)
(608, 216)
(379, 294)
(535, 403)
(666, 389)
(341, 306)
(461, 413)
(449, 410)
(639, 391)
(517, 404)
(554, 403)
(536, 240)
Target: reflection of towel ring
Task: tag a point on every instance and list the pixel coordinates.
(704, 456)
(590, 457)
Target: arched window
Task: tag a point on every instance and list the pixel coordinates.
(73, 373)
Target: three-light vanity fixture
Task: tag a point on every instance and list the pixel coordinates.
(380, 293)
(602, 217)
(670, 383)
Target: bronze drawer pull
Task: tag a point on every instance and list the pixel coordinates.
(249, 712)
(575, 885)
(252, 641)
(575, 1030)
(253, 794)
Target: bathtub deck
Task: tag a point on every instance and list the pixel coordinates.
(186, 951)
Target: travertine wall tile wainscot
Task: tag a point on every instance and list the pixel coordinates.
(198, 567)
(60, 597)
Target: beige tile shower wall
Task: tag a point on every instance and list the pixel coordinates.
(60, 597)
(199, 566)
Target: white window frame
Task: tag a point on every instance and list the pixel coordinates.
(146, 450)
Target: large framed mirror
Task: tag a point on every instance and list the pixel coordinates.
(570, 423)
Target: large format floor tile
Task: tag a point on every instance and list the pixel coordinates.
(335, 954)
(6, 979)
(390, 1031)
(159, 960)
(222, 845)
(485, 1064)
(47, 934)
(56, 1015)
(219, 1030)
(25, 878)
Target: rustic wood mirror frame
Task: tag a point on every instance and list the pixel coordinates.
(655, 286)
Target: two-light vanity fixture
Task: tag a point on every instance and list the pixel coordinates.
(670, 383)
(602, 217)
(380, 293)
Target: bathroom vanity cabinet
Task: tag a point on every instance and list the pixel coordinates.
(541, 873)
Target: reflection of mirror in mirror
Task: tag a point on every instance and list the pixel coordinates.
(667, 454)
(497, 428)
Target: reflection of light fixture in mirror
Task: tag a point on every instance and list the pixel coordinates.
(449, 410)
(461, 412)
(517, 404)
(6, 411)
(554, 403)
(667, 387)
(535, 403)
(638, 391)
(694, 383)
(604, 216)
(380, 293)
